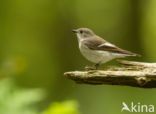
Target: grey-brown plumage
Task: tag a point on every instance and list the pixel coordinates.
(96, 49)
(95, 44)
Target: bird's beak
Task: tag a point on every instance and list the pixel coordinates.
(74, 31)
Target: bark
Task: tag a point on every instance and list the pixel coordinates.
(136, 74)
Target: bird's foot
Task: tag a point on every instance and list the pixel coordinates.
(87, 68)
(95, 67)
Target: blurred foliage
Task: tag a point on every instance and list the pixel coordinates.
(14, 100)
(37, 47)
(66, 107)
(13, 66)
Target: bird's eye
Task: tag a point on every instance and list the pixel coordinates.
(81, 31)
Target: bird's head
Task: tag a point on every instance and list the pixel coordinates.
(83, 33)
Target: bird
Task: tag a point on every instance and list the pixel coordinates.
(96, 49)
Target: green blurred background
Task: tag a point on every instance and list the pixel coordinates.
(37, 47)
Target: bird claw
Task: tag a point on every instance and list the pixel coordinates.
(87, 68)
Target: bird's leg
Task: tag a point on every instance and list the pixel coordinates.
(97, 65)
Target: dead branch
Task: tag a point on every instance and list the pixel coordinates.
(136, 74)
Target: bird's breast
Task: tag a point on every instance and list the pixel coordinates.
(94, 55)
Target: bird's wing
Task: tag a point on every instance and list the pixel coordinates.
(102, 45)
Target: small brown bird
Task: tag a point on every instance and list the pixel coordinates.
(98, 50)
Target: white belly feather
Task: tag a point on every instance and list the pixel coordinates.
(97, 56)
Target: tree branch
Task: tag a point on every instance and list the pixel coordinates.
(136, 74)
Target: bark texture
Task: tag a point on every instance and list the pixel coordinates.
(131, 73)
